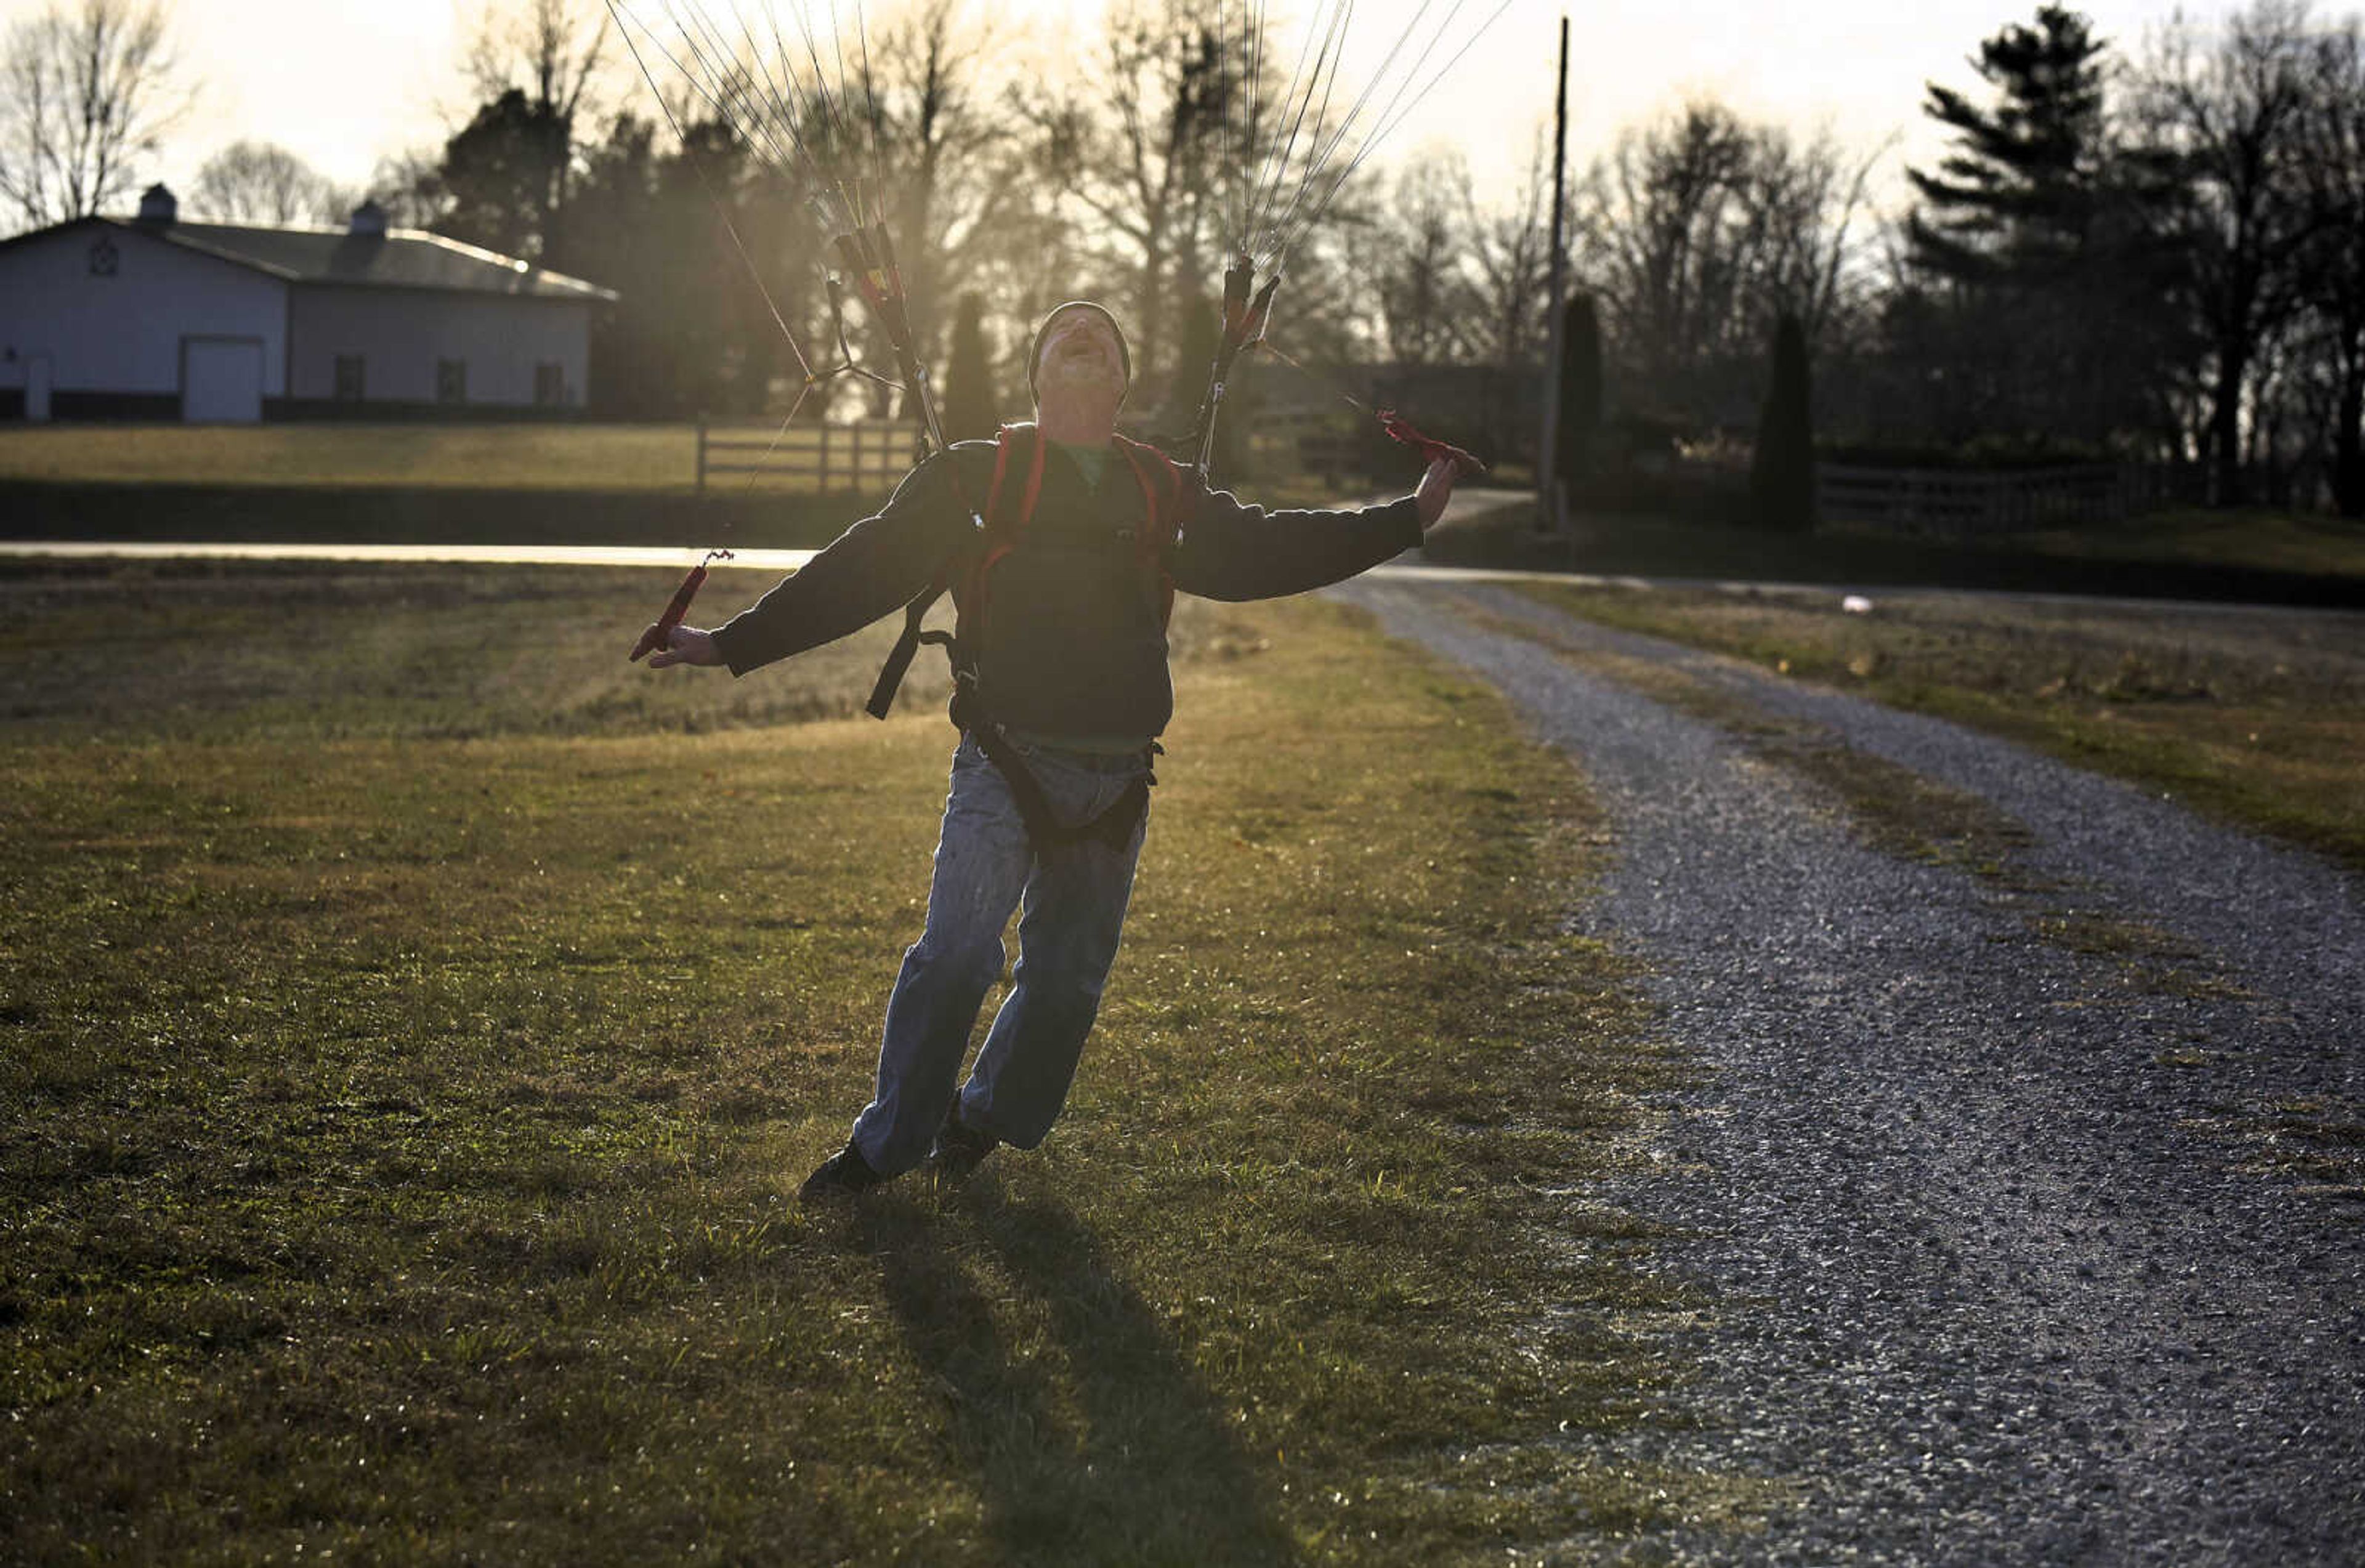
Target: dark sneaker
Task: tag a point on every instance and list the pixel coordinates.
(842, 1175)
(960, 1149)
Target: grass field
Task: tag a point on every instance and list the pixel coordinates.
(591, 484)
(417, 1022)
(2266, 541)
(515, 484)
(510, 484)
(521, 457)
(2265, 556)
(2257, 717)
(650, 460)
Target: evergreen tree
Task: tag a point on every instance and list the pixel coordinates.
(1194, 351)
(613, 232)
(1194, 354)
(1580, 390)
(2037, 249)
(1782, 476)
(502, 173)
(690, 334)
(725, 336)
(970, 410)
(2016, 197)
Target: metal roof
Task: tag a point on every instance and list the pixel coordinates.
(402, 258)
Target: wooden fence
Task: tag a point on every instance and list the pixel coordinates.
(1968, 502)
(869, 457)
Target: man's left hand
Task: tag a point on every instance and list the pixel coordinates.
(1436, 490)
(686, 646)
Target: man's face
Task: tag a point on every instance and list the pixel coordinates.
(1081, 359)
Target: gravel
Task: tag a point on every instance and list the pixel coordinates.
(2002, 1257)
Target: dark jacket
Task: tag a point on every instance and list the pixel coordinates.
(1074, 641)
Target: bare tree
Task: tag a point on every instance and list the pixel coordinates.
(1802, 201)
(2235, 115)
(84, 91)
(533, 66)
(552, 49)
(1138, 145)
(1699, 231)
(2334, 178)
(256, 182)
(1510, 262)
(1657, 221)
(1424, 243)
(950, 151)
(409, 186)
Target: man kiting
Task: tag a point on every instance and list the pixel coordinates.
(1062, 692)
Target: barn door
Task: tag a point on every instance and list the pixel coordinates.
(37, 388)
(221, 380)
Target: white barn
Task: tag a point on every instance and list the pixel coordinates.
(153, 318)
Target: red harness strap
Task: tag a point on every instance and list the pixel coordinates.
(1157, 529)
(968, 576)
(1002, 525)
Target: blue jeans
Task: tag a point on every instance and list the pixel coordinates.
(1072, 905)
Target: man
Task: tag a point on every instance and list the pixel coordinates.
(1069, 695)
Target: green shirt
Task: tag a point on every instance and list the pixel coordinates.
(1091, 460)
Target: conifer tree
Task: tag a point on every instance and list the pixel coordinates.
(2016, 195)
(1194, 352)
(2043, 281)
(970, 411)
(1195, 329)
(499, 171)
(1580, 388)
(1782, 477)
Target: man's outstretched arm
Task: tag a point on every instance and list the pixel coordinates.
(1232, 550)
(871, 569)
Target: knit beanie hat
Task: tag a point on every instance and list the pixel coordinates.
(1035, 350)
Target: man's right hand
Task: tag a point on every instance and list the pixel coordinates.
(686, 646)
(1436, 490)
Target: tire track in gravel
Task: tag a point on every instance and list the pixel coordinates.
(1991, 1181)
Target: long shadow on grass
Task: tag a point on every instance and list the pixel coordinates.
(1092, 1440)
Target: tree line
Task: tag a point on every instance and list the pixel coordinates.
(2165, 256)
(2155, 253)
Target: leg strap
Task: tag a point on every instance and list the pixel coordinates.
(1114, 827)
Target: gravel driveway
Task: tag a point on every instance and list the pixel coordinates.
(2018, 1195)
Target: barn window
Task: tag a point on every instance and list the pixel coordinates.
(349, 378)
(104, 259)
(549, 385)
(451, 380)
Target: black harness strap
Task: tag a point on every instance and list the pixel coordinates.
(993, 521)
(1114, 827)
(899, 657)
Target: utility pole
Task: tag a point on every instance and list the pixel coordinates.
(1549, 519)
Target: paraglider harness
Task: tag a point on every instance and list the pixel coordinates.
(968, 576)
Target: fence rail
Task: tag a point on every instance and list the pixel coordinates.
(869, 457)
(1968, 502)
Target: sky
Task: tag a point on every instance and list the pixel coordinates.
(344, 84)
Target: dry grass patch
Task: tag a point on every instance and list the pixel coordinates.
(2275, 541)
(2256, 717)
(2315, 1144)
(406, 1079)
(656, 457)
(1900, 812)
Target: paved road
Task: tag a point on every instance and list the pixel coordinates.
(1409, 567)
(2000, 1190)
